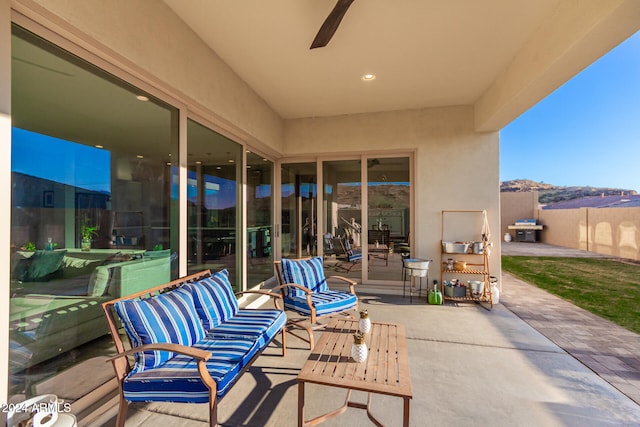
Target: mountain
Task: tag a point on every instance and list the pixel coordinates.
(548, 193)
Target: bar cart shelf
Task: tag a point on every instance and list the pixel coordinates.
(475, 258)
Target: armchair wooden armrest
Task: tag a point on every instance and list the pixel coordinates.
(307, 293)
(293, 285)
(175, 348)
(201, 357)
(351, 283)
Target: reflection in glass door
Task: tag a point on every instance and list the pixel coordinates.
(299, 204)
(388, 216)
(342, 213)
(212, 191)
(259, 209)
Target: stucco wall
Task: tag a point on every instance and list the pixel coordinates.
(515, 206)
(456, 167)
(564, 227)
(609, 231)
(151, 36)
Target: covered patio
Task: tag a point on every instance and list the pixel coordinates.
(234, 83)
(469, 366)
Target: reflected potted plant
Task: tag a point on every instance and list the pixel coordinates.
(87, 232)
(29, 247)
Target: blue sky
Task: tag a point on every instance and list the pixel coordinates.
(587, 132)
(60, 161)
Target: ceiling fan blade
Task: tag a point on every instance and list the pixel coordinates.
(330, 24)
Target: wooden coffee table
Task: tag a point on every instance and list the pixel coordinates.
(386, 370)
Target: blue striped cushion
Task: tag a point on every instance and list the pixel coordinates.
(214, 299)
(167, 318)
(305, 272)
(354, 254)
(328, 302)
(255, 324)
(178, 380)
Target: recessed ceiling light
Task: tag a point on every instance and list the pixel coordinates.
(368, 77)
(198, 162)
(142, 98)
(140, 156)
(231, 161)
(99, 146)
(218, 167)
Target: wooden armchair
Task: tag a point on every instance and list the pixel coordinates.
(349, 256)
(304, 289)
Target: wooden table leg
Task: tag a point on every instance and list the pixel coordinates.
(406, 416)
(301, 404)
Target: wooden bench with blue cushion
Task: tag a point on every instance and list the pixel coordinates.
(190, 340)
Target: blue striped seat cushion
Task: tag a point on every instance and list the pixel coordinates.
(327, 302)
(177, 380)
(167, 318)
(305, 272)
(214, 299)
(354, 254)
(262, 325)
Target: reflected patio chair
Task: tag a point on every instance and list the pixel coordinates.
(328, 249)
(305, 291)
(348, 256)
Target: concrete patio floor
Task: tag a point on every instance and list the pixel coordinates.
(469, 366)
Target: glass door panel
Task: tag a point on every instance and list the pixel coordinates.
(91, 212)
(388, 216)
(342, 213)
(212, 192)
(299, 204)
(259, 212)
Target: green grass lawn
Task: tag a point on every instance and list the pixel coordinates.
(607, 288)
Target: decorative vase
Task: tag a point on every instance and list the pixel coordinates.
(495, 291)
(85, 245)
(359, 351)
(364, 324)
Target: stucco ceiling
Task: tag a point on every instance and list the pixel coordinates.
(424, 53)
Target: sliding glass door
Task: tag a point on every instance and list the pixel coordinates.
(92, 215)
(388, 216)
(259, 232)
(342, 213)
(213, 193)
(364, 228)
(299, 206)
